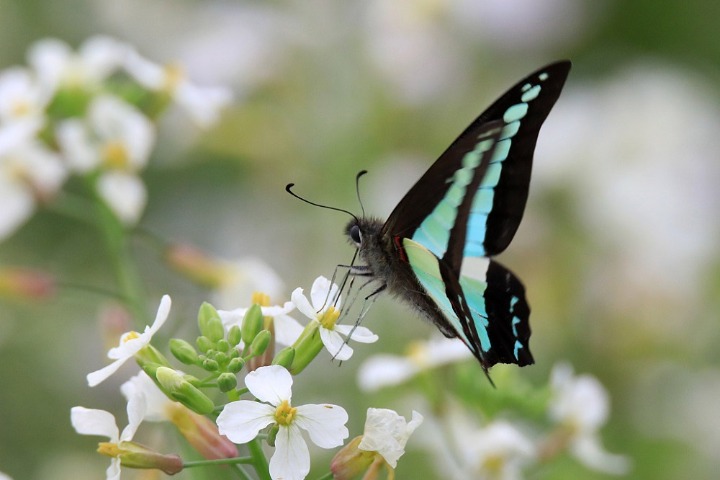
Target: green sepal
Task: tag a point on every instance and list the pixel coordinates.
(234, 336)
(204, 344)
(307, 347)
(272, 434)
(284, 357)
(236, 364)
(178, 388)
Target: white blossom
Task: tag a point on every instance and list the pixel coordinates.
(242, 420)
(387, 433)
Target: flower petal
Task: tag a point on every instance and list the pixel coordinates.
(335, 344)
(89, 421)
(357, 333)
(99, 376)
(381, 371)
(324, 293)
(303, 304)
(124, 193)
(324, 423)
(590, 452)
(287, 329)
(271, 384)
(291, 460)
(242, 420)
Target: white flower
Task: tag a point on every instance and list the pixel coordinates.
(385, 370)
(242, 277)
(4, 476)
(131, 343)
(464, 449)
(141, 388)
(581, 405)
(203, 104)
(117, 140)
(325, 309)
(88, 421)
(58, 66)
(241, 421)
(387, 433)
(286, 328)
(21, 97)
(29, 173)
(497, 451)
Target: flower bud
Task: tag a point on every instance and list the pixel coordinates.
(135, 455)
(151, 355)
(202, 433)
(176, 387)
(204, 344)
(260, 343)
(350, 461)
(236, 364)
(26, 284)
(210, 323)
(234, 336)
(252, 323)
(226, 382)
(183, 351)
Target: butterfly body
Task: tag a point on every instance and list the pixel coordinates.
(434, 251)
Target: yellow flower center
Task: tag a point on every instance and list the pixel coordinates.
(494, 464)
(284, 413)
(329, 317)
(108, 449)
(417, 353)
(261, 299)
(116, 155)
(174, 74)
(20, 108)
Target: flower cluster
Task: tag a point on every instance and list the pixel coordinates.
(91, 114)
(230, 342)
(577, 407)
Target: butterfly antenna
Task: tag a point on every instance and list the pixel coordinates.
(288, 188)
(357, 189)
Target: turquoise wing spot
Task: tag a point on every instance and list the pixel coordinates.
(474, 291)
(530, 94)
(517, 348)
(434, 231)
(516, 112)
(426, 269)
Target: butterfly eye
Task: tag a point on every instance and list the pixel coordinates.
(355, 234)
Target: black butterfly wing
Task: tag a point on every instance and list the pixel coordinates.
(499, 201)
(469, 204)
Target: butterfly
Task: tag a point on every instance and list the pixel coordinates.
(435, 250)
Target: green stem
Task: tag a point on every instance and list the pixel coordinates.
(241, 473)
(261, 464)
(327, 476)
(123, 263)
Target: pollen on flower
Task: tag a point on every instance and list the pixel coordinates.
(130, 336)
(417, 352)
(262, 299)
(494, 464)
(284, 413)
(115, 155)
(21, 108)
(108, 449)
(329, 317)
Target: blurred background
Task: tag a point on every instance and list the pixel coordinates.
(617, 250)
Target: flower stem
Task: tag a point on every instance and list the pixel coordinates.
(260, 462)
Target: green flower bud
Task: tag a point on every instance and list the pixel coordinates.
(210, 365)
(223, 345)
(209, 322)
(204, 344)
(226, 382)
(150, 354)
(234, 336)
(284, 357)
(236, 364)
(179, 389)
(260, 343)
(222, 358)
(183, 351)
(252, 324)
